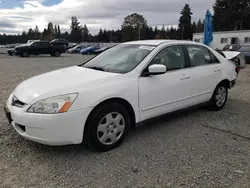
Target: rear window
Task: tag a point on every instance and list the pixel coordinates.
(244, 49)
(59, 40)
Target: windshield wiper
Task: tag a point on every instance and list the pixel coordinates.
(96, 68)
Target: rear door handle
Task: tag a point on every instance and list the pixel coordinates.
(217, 69)
(185, 77)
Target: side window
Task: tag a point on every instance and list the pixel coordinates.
(44, 44)
(214, 58)
(199, 55)
(36, 44)
(172, 57)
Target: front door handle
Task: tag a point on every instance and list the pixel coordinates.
(217, 69)
(185, 77)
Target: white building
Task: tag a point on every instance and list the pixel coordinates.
(223, 38)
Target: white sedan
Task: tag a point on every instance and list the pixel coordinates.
(98, 101)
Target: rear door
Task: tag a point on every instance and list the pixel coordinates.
(205, 72)
(34, 48)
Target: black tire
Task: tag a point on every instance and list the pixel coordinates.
(213, 103)
(25, 54)
(52, 54)
(57, 53)
(96, 117)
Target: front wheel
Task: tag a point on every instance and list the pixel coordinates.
(107, 127)
(57, 53)
(219, 98)
(25, 54)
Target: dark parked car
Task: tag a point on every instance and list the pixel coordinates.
(76, 49)
(60, 42)
(39, 47)
(220, 52)
(231, 47)
(98, 51)
(245, 50)
(11, 51)
(89, 50)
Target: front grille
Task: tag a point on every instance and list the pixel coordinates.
(17, 103)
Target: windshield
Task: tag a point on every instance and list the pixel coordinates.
(30, 43)
(120, 59)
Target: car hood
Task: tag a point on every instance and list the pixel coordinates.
(22, 46)
(11, 49)
(57, 82)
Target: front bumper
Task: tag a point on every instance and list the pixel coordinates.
(49, 129)
(11, 52)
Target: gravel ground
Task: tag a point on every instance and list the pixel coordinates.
(195, 148)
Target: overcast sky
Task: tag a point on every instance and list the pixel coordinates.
(19, 15)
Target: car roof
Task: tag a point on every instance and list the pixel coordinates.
(158, 42)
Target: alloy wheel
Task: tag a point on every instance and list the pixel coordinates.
(220, 96)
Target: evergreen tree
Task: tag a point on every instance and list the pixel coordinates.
(163, 33)
(100, 36)
(194, 27)
(50, 31)
(55, 31)
(37, 33)
(76, 33)
(155, 31)
(200, 26)
(59, 31)
(231, 15)
(85, 33)
(185, 23)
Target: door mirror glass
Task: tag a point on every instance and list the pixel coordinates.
(157, 69)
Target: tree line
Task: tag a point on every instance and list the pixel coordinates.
(228, 15)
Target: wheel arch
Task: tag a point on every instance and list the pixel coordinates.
(118, 100)
(225, 82)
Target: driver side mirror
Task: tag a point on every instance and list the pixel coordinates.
(155, 69)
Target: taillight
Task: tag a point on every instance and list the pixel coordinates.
(237, 70)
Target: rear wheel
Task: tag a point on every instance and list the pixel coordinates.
(219, 98)
(107, 127)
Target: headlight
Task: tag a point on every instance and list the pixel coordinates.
(53, 105)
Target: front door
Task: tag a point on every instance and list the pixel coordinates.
(160, 94)
(205, 71)
(45, 48)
